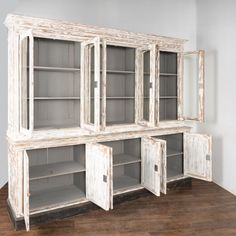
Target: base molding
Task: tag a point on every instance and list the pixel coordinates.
(59, 214)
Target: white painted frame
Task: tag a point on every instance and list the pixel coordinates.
(139, 93)
(198, 156)
(151, 153)
(201, 87)
(26, 114)
(85, 84)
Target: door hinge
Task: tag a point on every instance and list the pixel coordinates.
(208, 157)
(156, 167)
(104, 178)
(95, 84)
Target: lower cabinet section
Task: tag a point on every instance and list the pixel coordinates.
(65, 176)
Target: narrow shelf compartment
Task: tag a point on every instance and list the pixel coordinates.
(125, 182)
(53, 197)
(123, 159)
(53, 68)
(54, 169)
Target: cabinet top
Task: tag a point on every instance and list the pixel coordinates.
(70, 30)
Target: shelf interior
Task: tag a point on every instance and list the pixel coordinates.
(50, 162)
(57, 191)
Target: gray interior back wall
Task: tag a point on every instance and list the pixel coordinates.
(150, 16)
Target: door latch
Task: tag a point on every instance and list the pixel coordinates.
(104, 178)
(208, 157)
(150, 85)
(156, 167)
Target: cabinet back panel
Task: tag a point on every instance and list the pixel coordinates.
(56, 113)
(56, 155)
(128, 146)
(79, 180)
(168, 62)
(133, 170)
(168, 109)
(56, 53)
(120, 111)
(174, 166)
(55, 83)
(120, 58)
(49, 183)
(168, 85)
(120, 85)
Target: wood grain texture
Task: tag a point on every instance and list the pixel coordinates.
(205, 209)
(198, 156)
(99, 179)
(151, 154)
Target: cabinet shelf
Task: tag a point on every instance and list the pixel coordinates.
(55, 197)
(56, 98)
(124, 182)
(123, 159)
(120, 72)
(168, 74)
(52, 68)
(173, 152)
(168, 97)
(54, 169)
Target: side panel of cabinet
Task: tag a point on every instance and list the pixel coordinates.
(151, 152)
(26, 191)
(198, 156)
(99, 179)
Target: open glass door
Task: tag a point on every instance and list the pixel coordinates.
(193, 86)
(99, 180)
(26, 82)
(90, 84)
(198, 156)
(146, 64)
(151, 154)
(26, 193)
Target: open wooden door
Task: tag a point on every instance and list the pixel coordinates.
(145, 86)
(99, 177)
(26, 86)
(90, 84)
(26, 192)
(198, 156)
(151, 154)
(192, 92)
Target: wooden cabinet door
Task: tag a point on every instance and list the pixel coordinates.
(198, 156)
(26, 194)
(26, 67)
(145, 85)
(90, 84)
(191, 92)
(99, 177)
(151, 154)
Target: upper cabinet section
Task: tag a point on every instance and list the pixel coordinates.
(49, 82)
(70, 76)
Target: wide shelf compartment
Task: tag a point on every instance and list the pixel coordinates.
(55, 192)
(50, 162)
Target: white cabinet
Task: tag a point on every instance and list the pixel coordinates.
(94, 113)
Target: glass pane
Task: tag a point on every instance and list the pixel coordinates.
(168, 86)
(92, 83)
(190, 88)
(146, 85)
(25, 83)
